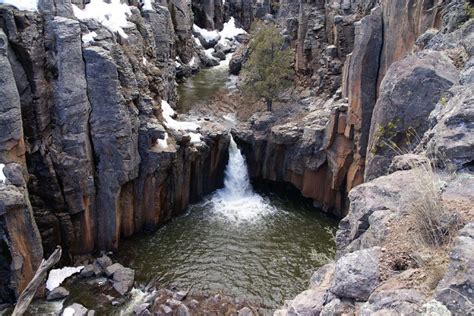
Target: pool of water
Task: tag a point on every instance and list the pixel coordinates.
(265, 259)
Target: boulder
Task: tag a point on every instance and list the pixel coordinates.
(246, 311)
(110, 270)
(57, 294)
(356, 274)
(408, 94)
(451, 136)
(166, 310)
(403, 301)
(240, 56)
(182, 310)
(76, 309)
(104, 262)
(123, 280)
(455, 289)
(180, 295)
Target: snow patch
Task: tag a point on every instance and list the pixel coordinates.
(147, 6)
(144, 61)
(230, 31)
(171, 123)
(195, 137)
(3, 179)
(57, 276)
(163, 143)
(197, 41)
(89, 37)
(192, 62)
(68, 311)
(207, 35)
(27, 5)
(112, 15)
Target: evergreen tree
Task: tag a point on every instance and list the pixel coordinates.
(268, 69)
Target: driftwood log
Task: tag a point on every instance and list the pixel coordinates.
(29, 292)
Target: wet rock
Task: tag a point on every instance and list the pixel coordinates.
(123, 280)
(455, 289)
(88, 271)
(110, 270)
(104, 262)
(57, 294)
(219, 54)
(240, 56)
(357, 274)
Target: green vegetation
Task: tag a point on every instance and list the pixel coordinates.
(469, 10)
(268, 70)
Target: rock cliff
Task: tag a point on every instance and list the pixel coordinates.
(86, 156)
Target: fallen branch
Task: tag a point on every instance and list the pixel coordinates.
(29, 292)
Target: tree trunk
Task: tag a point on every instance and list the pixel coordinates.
(269, 105)
(29, 292)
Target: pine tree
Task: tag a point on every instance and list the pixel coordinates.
(268, 69)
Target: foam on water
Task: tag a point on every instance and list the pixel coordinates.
(237, 201)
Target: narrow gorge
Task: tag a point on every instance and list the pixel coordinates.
(129, 140)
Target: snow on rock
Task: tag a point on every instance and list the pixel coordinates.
(112, 15)
(89, 37)
(3, 179)
(163, 143)
(230, 31)
(171, 123)
(27, 5)
(208, 36)
(147, 6)
(57, 276)
(195, 137)
(192, 62)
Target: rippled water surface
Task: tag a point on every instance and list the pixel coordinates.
(265, 259)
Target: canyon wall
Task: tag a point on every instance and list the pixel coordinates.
(345, 49)
(82, 131)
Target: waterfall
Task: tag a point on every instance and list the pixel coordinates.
(237, 200)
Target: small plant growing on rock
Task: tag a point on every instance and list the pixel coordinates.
(268, 69)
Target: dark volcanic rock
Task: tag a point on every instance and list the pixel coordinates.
(409, 92)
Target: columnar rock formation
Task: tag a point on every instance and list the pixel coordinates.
(81, 118)
(347, 48)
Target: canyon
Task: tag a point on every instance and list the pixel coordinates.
(89, 153)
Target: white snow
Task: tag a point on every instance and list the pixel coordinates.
(192, 62)
(230, 31)
(2, 175)
(68, 311)
(144, 61)
(57, 276)
(89, 37)
(197, 41)
(163, 143)
(171, 123)
(147, 5)
(112, 15)
(27, 5)
(207, 35)
(195, 137)
(209, 52)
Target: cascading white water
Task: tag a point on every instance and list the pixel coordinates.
(236, 200)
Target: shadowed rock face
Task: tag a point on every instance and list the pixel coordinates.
(81, 120)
